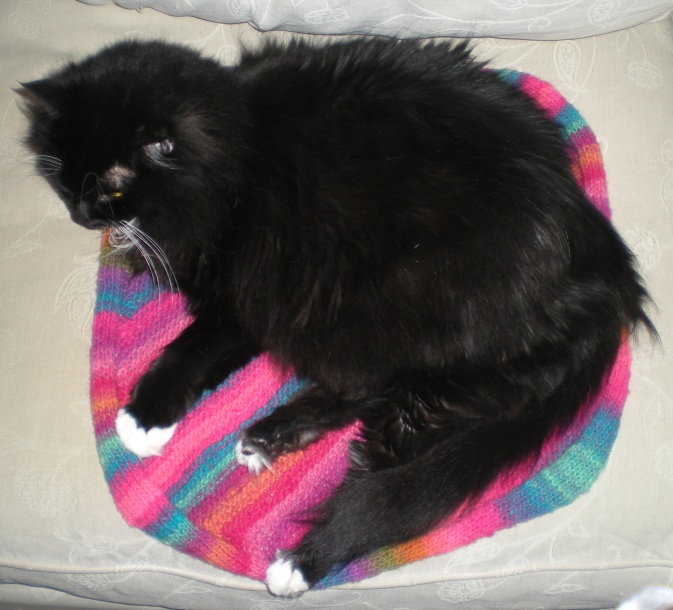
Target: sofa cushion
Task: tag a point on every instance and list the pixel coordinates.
(404, 18)
(63, 542)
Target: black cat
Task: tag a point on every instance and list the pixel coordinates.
(389, 218)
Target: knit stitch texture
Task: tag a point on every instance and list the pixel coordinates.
(197, 499)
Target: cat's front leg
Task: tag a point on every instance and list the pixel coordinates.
(293, 426)
(202, 356)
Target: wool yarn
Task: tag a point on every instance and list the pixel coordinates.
(197, 499)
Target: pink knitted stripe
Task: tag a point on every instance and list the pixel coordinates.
(103, 378)
(105, 328)
(616, 388)
(329, 469)
(242, 506)
(249, 391)
(140, 342)
(544, 95)
(138, 501)
(149, 320)
(323, 462)
(480, 523)
(256, 384)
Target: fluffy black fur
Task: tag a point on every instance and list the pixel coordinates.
(390, 219)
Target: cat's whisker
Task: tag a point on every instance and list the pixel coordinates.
(100, 190)
(124, 228)
(46, 160)
(81, 190)
(126, 235)
(156, 250)
(119, 240)
(161, 255)
(47, 165)
(43, 166)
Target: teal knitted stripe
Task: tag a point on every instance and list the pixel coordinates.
(566, 478)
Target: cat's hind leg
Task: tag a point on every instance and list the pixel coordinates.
(367, 511)
(374, 509)
(426, 451)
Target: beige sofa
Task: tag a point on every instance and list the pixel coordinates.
(62, 542)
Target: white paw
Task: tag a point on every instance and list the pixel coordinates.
(254, 461)
(283, 579)
(142, 442)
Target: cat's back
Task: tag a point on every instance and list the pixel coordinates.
(409, 94)
(374, 65)
(356, 72)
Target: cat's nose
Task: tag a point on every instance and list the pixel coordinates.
(83, 214)
(103, 209)
(94, 210)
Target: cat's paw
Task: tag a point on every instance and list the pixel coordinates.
(273, 436)
(136, 439)
(284, 579)
(252, 457)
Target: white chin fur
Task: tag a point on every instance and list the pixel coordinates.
(143, 443)
(284, 580)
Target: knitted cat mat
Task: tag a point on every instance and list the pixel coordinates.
(196, 498)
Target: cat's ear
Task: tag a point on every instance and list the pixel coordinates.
(40, 96)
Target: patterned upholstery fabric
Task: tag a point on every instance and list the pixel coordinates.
(63, 543)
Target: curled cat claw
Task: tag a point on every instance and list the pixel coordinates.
(284, 580)
(252, 459)
(143, 443)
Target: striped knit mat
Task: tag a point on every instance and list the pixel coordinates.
(196, 498)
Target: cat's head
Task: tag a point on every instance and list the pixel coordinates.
(123, 134)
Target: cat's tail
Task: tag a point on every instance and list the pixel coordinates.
(374, 509)
(435, 440)
(468, 429)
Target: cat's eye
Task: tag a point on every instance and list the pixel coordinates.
(160, 152)
(116, 194)
(163, 147)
